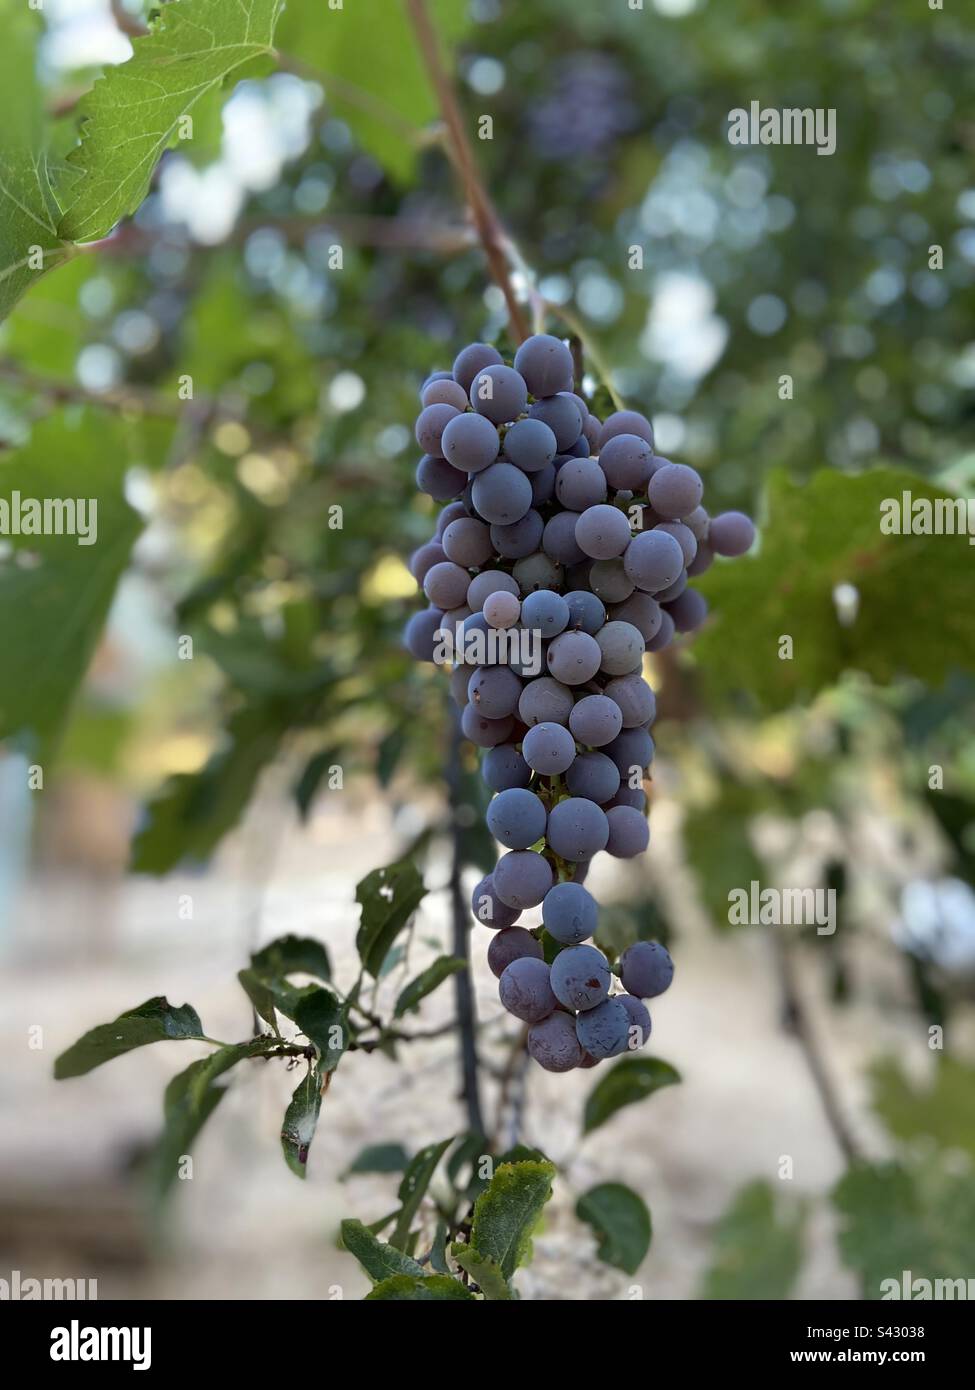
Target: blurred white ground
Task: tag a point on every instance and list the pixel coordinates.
(86, 947)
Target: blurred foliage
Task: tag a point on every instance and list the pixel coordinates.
(757, 1247)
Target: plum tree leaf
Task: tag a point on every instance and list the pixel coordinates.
(132, 113)
(621, 1222)
(292, 954)
(378, 1259)
(485, 1272)
(413, 1186)
(301, 1120)
(630, 1080)
(388, 897)
(154, 1021)
(426, 982)
(421, 1288)
(507, 1212)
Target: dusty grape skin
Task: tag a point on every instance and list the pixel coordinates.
(545, 701)
(499, 393)
(684, 537)
(625, 422)
(512, 943)
(468, 543)
(580, 977)
(521, 878)
(519, 538)
(702, 561)
(574, 657)
(446, 585)
(548, 748)
(643, 611)
(423, 560)
(688, 610)
(594, 777)
(470, 443)
(453, 511)
(485, 733)
(610, 582)
(628, 796)
(545, 611)
(488, 582)
(439, 479)
(488, 908)
(621, 648)
(444, 391)
(530, 444)
(545, 363)
(543, 485)
(525, 990)
(604, 1031)
(674, 490)
(646, 969)
(674, 590)
(430, 425)
(629, 833)
(502, 494)
(516, 818)
(587, 613)
(420, 633)
(580, 484)
(494, 691)
(501, 609)
(636, 701)
(664, 634)
(632, 748)
(559, 538)
(503, 767)
(639, 1015)
(577, 829)
(595, 720)
(562, 415)
(603, 532)
(731, 533)
(626, 461)
(553, 1043)
(473, 359)
(653, 560)
(569, 913)
(536, 571)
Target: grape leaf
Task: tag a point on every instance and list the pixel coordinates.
(757, 1247)
(377, 1259)
(132, 113)
(301, 1120)
(632, 1079)
(508, 1211)
(154, 1021)
(420, 1288)
(621, 1222)
(426, 982)
(943, 1110)
(821, 534)
(485, 1272)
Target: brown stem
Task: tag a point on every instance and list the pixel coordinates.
(462, 155)
(799, 1022)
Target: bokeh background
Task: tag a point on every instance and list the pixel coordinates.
(823, 1134)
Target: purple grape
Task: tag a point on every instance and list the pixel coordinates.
(520, 538)
(731, 533)
(629, 833)
(603, 532)
(631, 750)
(502, 494)
(639, 1016)
(636, 701)
(674, 490)
(530, 444)
(470, 443)
(702, 561)
(697, 522)
(559, 538)
(684, 537)
(472, 360)
(688, 610)
(546, 365)
(653, 560)
(420, 634)
(580, 483)
(501, 609)
(569, 913)
(499, 393)
(610, 581)
(468, 542)
(625, 422)
(503, 766)
(628, 796)
(488, 908)
(562, 415)
(594, 777)
(621, 648)
(494, 691)
(543, 485)
(548, 749)
(423, 560)
(516, 818)
(663, 635)
(545, 701)
(674, 590)
(444, 391)
(525, 990)
(522, 878)
(489, 582)
(545, 612)
(586, 612)
(430, 425)
(605, 1030)
(595, 720)
(446, 584)
(536, 572)
(452, 512)
(642, 611)
(553, 1044)
(626, 461)
(514, 943)
(485, 733)
(577, 829)
(574, 657)
(646, 969)
(580, 977)
(439, 479)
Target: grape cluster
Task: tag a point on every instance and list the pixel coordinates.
(562, 555)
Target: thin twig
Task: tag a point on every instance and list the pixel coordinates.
(512, 1077)
(482, 209)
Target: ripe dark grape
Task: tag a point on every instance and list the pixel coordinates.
(514, 943)
(553, 1042)
(626, 422)
(537, 571)
(626, 459)
(635, 699)
(488, 907)
(525, 990)
(503, 767)
(423, 560)
(468, 542)
(574, 657)
(595, 720)
(594, 776)
(472, 360)
(446, 585)
(580, 483)
(603, 532)
(502, 493)
(522, 878)
(499, 393)
(420, 634)
(486, 733)
(646, 969)
(688, 610)
(559, 539)
(587, 613)
(642, 611)
(452, 512)
(731, 533)
(653, 560)
(519, 538)
(545, 701)
(548, 749)
(470, 443)
(664, 634)
(494, 691)
(569, 913)
(577, 829)
(605, 1030)
(501, 609)
(562, 415)
(516, 818)
(621, 648)
(674, 490)
(629, 833)
(546, 612)
(610, 581)
(684, 537)
(638, 1013)
(530, 444)
(580, 977)
(439, 478)
(546, 365)
(430, 425)
(444, 391)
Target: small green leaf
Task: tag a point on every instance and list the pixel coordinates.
(943, 1111)
(426, 982)
(377, 1259)
(311, 776)
(388, 897)
(154, 1021)
(757, 1247)
(379, 1158)
(485, 1272)
(413, 1187)
(632, 1079)
(506, 1214)
(324, 1021)
(262, 996)
(438, 1250)
(420, 1288)
(621, 1222)
(301, 1121)
(290, 955)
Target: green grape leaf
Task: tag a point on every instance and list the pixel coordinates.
(291, 954)
(372, 69)
(377, 1259)
(820, 534)
(426, 982)
(154, 1021)
(301, 1121)
(55, 590)
(507, 1212)
(630, 1080)
(757, 1247)
(379, 1158)
(418, 1288)
(388, 897)
(485, 1272)
(413, 1187)
(621, 1222)
(943, 1111)
(133, 113)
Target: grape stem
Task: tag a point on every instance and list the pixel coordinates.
(572, 321)
(461, 154)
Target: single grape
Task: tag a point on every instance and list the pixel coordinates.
(580, 483)
(543, 485)
(420, 634)
(514, 943)
(499, 393)
(731, 533)
(452, 512)
(552, 1042)
(546, 365)
(632, 750)
(530, 444)
(439, 479)
(488, 907)
(592, 428)
(621, 648)
(502, 493)
(489, 582)
(501, 609)
(653, 560)
(638, 1013)
(702, 561)
(545, 701)
(664, 634)
(494, 691)
(636, 701)
(674, 590)
(605, 1030)
(537, 572)
(610, 581)
(626, 461)
(629, 796)
(548, 749)
(569, 913)
(446, 585)
(688, 610)
(525, 990)
(602, 532)
(472, 360)
(684, 537)
(698, 522)
(646, 969)
(430, 425)
(642, 611)
(434, 376)
(458, 686)
(423, 560)
(629, 833)
(559, 538)
(593, 776)
(586, 611)
(562, 415)
(470, 443)
(546, 612)
(580, 977)
(574, 657)
(625, 422)
(516, 818)
(520, 538)
(503, 766)
(468, 542)
(595, 720)
(444, 391)
(674, 490)
(576, 829)
(485, 733)
(522, 878)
